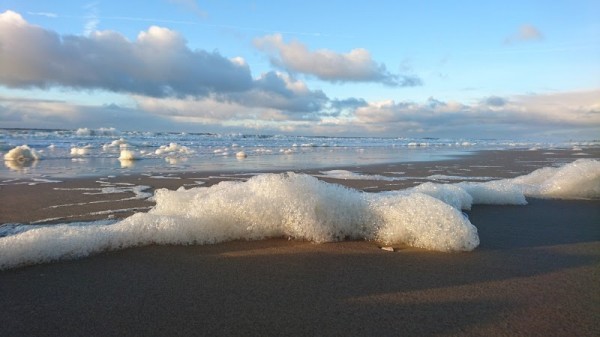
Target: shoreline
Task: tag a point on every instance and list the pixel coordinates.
(85, 198)
(534, 273)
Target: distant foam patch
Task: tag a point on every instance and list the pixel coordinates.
(174, 148)
(302, 207)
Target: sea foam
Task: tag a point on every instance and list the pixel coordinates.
(271, 205)
(577, 180)
(302, 207)
(22, 153)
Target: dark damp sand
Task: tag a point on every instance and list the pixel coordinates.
(536, 273)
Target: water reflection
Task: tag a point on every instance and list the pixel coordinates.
(20, 165)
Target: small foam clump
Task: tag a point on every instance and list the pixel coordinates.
(80, 151)
(22, 154)
(117, 143)
(86, 132)
(173, 148)
(128, 155)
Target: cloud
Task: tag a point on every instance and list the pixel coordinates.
(158, 63)
(566, 114)
(56, 114)
(491, 117)
(354, 66)
(92, 19)
(526, 32)
(274, 96)
(495, 101)
(280, 91)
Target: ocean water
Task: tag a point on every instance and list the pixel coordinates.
(292, 205)
(95, 152)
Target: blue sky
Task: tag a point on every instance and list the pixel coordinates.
(503, 69)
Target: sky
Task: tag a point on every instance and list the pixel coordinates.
(450, 69)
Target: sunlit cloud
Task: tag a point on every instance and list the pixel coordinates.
(490, 116)
(354, 66)
(158, 63)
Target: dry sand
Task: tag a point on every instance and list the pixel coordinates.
(536, 273)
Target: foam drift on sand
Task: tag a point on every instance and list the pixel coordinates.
(302, 207)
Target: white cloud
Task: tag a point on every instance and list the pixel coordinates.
(158, 63)
(354, 66)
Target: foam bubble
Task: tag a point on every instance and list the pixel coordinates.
(22, 154)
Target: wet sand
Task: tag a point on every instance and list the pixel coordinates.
(535, 273)
(26, 200)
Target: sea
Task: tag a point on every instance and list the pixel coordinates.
(86, 152)
(293, 205)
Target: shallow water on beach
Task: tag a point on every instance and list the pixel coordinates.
(85, 152)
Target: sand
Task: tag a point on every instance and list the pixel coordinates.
(535, 273)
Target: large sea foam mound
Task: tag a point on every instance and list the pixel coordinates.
(302, 207)
(22, 153)
(271, 205)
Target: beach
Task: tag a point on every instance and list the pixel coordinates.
(534, 273)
